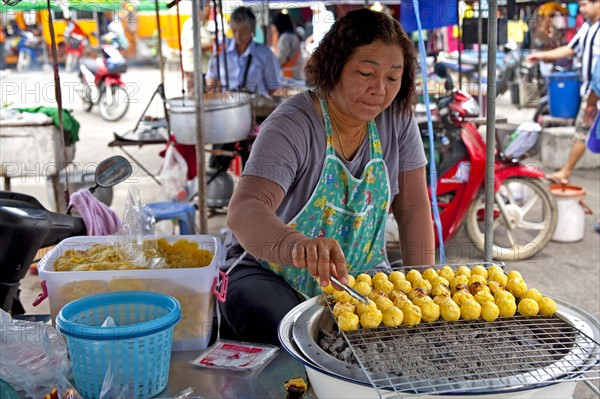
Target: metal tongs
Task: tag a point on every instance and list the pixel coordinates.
(353, 293)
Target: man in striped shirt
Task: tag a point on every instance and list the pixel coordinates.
(586, 46)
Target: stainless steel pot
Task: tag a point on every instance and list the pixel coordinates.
(330, 377)
(227, 118)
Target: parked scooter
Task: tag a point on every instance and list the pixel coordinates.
(31, 50)
(101, 83)
(76, 45)
(26, 226)
(525, 213)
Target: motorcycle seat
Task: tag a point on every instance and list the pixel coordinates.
(89, 64)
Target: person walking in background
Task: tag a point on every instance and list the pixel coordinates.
(187, 48)
(586, 46)
(2, 56)
(593, 105)
(287, 46)
(322, 21)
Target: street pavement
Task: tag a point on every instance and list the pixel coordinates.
(568, 271)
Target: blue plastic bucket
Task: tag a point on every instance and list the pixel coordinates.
(563, 90)
(137, 349)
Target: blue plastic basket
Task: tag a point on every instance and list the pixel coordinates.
(138, 348)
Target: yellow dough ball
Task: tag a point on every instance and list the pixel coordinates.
(412, 315)
(422, 300)
(494, 287)
(440, 280)
(403, 285)
(494, 268)
(413, 275)
(363, 288)
(440, 289)
(463, 271)
(375, 294)
(385, 286)
(341, 296)
(371, 318)
(439, 299)
(479, 270)
(459, 279)
(379, 276)
(460, 288)
(470, 310)
(423, 284)
(364, 277)
(417, 293)
(383, 303)
(489, 311)
(396, 276)
(351, 281)
(329, 290)
(547, 306)
(506, 307)
(476, 287)
(514, 274)
(430, 311)
(343, 307)
(395, 294)
(516, 286)
(400, 301)
(476, 278)
(362, 307)
(348, 321)
(528, 307)
(450, 310)
(447, 273)
(499, 277)
(393, 317)
(532, 293)
(500, 295)
(430, 274)
(461, 297)
(482, 297)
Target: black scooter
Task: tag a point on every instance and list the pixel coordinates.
(26, 226)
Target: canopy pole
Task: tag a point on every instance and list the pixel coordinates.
(159, 47)
(479, 44)
(199, 90)
(490, 130)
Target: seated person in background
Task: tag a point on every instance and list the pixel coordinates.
(251, 67)
(288, 50)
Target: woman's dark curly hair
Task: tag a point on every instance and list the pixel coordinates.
(359, 28)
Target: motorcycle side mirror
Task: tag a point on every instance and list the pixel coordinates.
(111, 172)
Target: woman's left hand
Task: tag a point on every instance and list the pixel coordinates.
(322, 257)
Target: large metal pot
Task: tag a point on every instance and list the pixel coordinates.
(227, 118)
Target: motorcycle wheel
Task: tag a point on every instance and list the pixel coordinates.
(71, 63)
(114, 108)
(24, 61)
(531, 209)
(86, 96)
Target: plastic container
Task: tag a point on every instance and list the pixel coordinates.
(135, 353)
(190, 286)
(571, 215)
(563, 91)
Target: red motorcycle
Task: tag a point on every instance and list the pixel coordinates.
(101, 83)
(76, 45)
(525, 213)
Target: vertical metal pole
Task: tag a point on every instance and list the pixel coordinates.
(460, 35)
(479, 44)
(200, 155)
(159, 47)
(490, 129)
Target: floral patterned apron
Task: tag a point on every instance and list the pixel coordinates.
(350, 210)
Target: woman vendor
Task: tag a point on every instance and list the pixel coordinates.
(322, 175)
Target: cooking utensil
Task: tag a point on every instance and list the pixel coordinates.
(353, 293)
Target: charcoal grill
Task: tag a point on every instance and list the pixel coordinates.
(507, 358)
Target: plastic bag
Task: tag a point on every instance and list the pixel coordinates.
(523, 140)
(593, 139)
(34, 358)
(173, 175)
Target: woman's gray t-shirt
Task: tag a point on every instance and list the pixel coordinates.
(290, 150)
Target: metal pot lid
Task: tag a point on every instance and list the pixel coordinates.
(572, 334)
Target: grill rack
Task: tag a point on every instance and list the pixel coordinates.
(574, 353)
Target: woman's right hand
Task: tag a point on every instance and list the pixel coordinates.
(321, 257)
